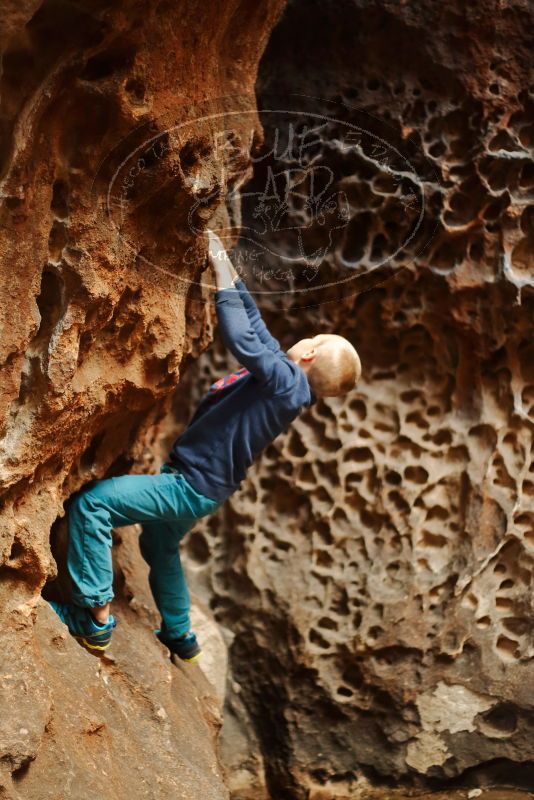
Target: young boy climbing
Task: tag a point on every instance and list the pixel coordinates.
(238, 417)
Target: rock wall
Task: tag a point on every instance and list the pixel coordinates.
(108, 176)
(376, 567)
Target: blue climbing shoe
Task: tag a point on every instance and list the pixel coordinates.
(185, 647)
(90, 634)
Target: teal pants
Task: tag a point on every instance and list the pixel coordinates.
(166, 506)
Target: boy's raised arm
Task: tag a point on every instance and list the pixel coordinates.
(218, 254)
(255, 317)
(239, 334)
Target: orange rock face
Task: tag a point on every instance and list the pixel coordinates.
(108, 177)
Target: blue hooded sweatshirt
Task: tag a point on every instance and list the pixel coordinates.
(244, 411)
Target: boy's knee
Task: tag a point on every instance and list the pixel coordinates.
(91, 494)
(83, 501)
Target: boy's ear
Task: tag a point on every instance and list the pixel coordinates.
(309, 355)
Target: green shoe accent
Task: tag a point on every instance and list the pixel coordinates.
(89, 634)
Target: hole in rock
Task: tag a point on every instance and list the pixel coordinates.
(340, 603)
(416, 474)
(324, 410)
(358, 408)
(60, 194)
(136, 89)
(88, 457)
(306, 474)
(316, 638)
(399, 502)
(296, 447)
(500, 720)
(49, 303)
(504, 603)
(442, 437)
(323, 496)
(17, 550)
(119, 57)
(21, 772)
(358, 454)
(323, 559)
(356, 237)
(59, 587)
(375, 633)
(371, 520)
(352, 478)
(353, 676)
(323, 529)
(328, 624)
(507, 648)
(517, 626)
(433, 540)
(437, 512)
(284, 546)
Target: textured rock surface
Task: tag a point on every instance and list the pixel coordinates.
(99, 317)
(376, 568)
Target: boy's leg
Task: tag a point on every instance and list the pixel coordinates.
(113, 503)
(160, 547)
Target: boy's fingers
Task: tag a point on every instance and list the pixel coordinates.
(216, 248)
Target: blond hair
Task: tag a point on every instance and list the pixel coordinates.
(336, 368)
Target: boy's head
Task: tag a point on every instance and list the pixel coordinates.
(330, 362)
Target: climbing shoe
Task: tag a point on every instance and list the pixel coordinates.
(185, 647)
(93, 636)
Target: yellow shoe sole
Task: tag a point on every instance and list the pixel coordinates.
(190, 660)
(94, 649)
